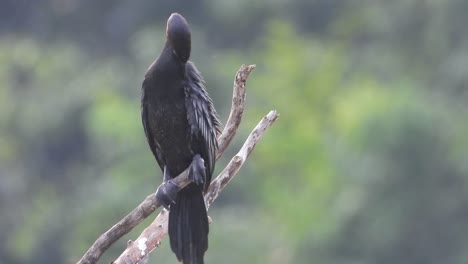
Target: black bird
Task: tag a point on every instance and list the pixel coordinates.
(181, 127)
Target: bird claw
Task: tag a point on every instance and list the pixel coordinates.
(197, 172)
(167, 193)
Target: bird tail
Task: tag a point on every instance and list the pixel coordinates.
(188, 225)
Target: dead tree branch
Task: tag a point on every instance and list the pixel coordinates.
(237, 109)
(151, 237)
(149, 205)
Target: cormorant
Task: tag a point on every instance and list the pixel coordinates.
(181, 127)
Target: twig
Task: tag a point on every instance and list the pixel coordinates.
(149, 205)
(151, 237)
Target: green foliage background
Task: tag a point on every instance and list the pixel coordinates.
(367, 163)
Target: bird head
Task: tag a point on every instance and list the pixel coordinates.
(178, 36)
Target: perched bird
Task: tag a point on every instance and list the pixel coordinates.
(181, 127)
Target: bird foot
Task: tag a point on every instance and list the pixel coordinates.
(167, 193)
(197, 172)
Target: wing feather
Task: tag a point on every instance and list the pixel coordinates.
(202, 119)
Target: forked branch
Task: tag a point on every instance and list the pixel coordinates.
(138, 250)
(152, 235)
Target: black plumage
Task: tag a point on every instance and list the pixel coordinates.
(181, 127)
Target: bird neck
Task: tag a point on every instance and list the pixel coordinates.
(168, 66)
(166, 77)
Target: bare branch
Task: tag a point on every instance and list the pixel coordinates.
(238, 160)
(141, 212)
(237, 108)
(151, 237)
(149, 205)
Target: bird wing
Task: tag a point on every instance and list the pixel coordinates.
(202, 119)
(155, 148)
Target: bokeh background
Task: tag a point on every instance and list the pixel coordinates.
(367, 163)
